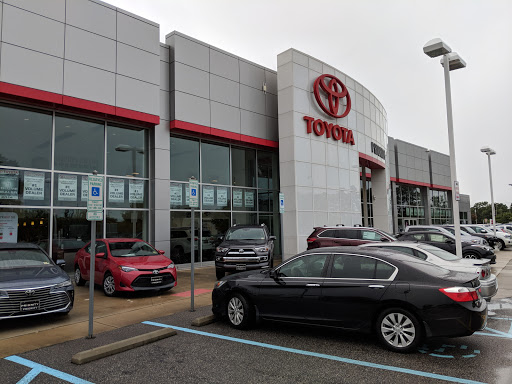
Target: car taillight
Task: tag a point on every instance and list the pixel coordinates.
(460, 294)
(311, 239)
(482, 273)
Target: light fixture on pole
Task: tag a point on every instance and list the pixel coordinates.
(489, 152)
(450, 61)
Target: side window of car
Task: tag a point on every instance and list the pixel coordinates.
(305, 266)
(328, 233)
(420, 255)
(409, 251)
(418, 237)
(353, 267)
(383, 270)
(370, 235)
(437, 238)
(101, 247)
(348, 234)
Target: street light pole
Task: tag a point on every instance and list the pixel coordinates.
(450, 61)
(488, 151)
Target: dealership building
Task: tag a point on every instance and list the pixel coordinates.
(86, 86)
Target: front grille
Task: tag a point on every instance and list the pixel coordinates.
(10, 306)
(236, 252)
(144, 281)
(154, 269)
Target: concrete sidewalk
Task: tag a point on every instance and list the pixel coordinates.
(503, 271)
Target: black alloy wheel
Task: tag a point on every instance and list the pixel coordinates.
(399, 330)
(241, 314)
(79, 280)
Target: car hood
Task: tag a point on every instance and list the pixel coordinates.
(143, 262)
(31, 277)
(242, 243)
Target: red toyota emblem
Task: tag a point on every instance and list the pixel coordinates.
(335, 91)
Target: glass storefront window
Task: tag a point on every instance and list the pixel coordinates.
(244, 199)
(79, 145)
(216, 197)
(127, 151)
(266, 201)
(215, 164)
(243, 218)
(181, 242)
(19, 187)
(184, 159)
(126, 193)
(244, 167)
(268, 170)
(215, 224)
(27, 225)
(26, 138)
(70, 190)
(71, 231)
(127, 223)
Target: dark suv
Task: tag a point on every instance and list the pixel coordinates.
(244, 247)
(340, 235)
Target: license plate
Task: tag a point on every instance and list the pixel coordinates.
(29, 306)
(156, 279)
(241, 267)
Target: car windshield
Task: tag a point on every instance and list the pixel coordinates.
(441, 253)
(388, 234)
(468, 229)
(131, 249)
(15, 258)
(245, 234)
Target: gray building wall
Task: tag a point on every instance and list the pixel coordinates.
(82, 49)
(465, 207)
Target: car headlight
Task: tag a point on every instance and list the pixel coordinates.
(475, 241)
(127, 269)
(222, 250)
(219, 283)
(261, 249)
(170, 266)
(64, 284)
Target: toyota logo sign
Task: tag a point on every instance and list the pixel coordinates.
(30, 292)
(335, 91)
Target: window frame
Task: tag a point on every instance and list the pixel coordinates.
(331, 264)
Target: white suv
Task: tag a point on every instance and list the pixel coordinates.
(504, 238)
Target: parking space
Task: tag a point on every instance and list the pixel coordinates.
(273, 352)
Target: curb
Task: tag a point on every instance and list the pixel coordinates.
(121, 346)
(204, 320)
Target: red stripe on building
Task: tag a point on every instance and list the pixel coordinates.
(31, 95)
(219, 133)
(370, 162)
(420, 184)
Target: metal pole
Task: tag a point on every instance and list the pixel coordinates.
(281, 235)
(91, 276)
(453, 169)
(192, 257)
(365, 199)
(492, 196)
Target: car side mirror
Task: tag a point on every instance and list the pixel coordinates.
(449, 241)
(61, 263)
(161, 252)
(101, 254)
(272, 237)
(384, 239)
(220, 238)
(273, 273)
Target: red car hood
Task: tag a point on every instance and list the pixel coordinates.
(143, 262)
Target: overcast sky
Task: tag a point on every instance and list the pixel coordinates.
(379, 43)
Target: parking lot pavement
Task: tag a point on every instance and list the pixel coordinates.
(275, 352)
(503, 270)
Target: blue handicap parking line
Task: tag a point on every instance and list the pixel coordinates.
(320, 355)
(39, 368)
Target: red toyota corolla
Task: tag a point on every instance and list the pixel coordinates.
(125, 265)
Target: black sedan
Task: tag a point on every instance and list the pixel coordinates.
(31, 283)
(447, 242)
(399, 298)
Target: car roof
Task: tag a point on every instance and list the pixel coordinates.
(343, 227)
(19, 246)
(363, 251)
(425, 232)
(118, 240)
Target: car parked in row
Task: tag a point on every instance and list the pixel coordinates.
(442, 258)
(400, 299)
(31, 283)
(504, 239)
(447, 242)
(341, 236)
(244, 247)
(125, 265)
(466, 237)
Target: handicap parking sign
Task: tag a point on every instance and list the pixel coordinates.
(95, 191)
(194, 192)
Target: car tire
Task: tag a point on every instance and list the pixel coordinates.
(220, 273)
(471, 255)
(79, 280)
(240, 312)
(398, 330)
(109, 285)
(499, 245)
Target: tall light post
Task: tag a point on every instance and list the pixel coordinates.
(450, 61)
(489, 152)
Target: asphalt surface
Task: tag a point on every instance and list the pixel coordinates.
(287, 354)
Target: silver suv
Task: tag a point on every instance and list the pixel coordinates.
(447, 231)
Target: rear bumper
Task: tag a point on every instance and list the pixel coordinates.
(457, 320)
(489, 287)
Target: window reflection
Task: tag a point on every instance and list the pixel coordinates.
(127, 151)
(184, 159)
(127, 223)
(215, 164)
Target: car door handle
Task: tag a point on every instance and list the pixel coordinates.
(375, 286)
(312, 285)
